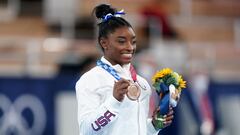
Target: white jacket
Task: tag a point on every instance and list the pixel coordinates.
(99, 113)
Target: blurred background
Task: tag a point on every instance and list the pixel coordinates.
(45, 46)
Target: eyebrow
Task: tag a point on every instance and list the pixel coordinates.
(134, 37)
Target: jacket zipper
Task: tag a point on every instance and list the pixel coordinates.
(138, 117)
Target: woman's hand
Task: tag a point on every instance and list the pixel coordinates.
(120, 88)
(162, 122)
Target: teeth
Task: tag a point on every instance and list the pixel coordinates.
(127, 55)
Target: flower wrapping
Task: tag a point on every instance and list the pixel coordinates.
(168, 84)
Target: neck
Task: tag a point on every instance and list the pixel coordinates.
(112, 62)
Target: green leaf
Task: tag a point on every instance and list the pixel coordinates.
(159, 122)
(171, 80)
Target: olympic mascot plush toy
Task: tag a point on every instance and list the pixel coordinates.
(168, 84)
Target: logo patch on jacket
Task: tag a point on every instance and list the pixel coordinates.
(102, 120)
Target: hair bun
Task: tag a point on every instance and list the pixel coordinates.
(102, 10)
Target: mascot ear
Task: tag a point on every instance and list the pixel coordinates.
(174, 92)
(172, 89)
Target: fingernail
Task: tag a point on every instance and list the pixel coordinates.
(164, 116)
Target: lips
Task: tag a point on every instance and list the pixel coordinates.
(127, 55)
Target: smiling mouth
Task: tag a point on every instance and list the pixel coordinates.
(128, 55)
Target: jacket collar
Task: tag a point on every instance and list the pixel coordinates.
(117, 67)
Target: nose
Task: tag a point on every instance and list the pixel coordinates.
(130, 46)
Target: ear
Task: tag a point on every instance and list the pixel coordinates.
(104, 43)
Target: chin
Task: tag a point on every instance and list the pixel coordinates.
(126, 62)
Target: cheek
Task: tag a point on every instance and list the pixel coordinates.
(134, 47)
(117, 50)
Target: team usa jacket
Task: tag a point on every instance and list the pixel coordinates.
(99, 113)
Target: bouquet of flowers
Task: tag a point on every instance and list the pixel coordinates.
(168, 84)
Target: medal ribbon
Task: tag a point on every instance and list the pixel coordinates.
(113, 72)
(133, 73)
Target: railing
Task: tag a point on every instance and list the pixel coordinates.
(40, 57)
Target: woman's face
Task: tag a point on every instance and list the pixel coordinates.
(119, 46)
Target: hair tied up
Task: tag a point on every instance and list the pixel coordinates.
(109, 15)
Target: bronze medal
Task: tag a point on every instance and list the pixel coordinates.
(133, 91)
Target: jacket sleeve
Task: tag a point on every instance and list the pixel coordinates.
(150, 128)
(95, 115)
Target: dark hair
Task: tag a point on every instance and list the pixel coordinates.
(110, 25)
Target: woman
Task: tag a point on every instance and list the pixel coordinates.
(112, 98)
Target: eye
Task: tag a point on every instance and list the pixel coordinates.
(134, 42)
(121, 41)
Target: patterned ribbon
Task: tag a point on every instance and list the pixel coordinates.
(109, 15)
(133, 73)
(164, 104)
(113, 72)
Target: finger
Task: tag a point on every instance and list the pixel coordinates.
(122, 80)
(170, 112)
(156, 110)
(121, 97)
(123, 91)
(167, 123)
(168, 118)
(123, 86)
